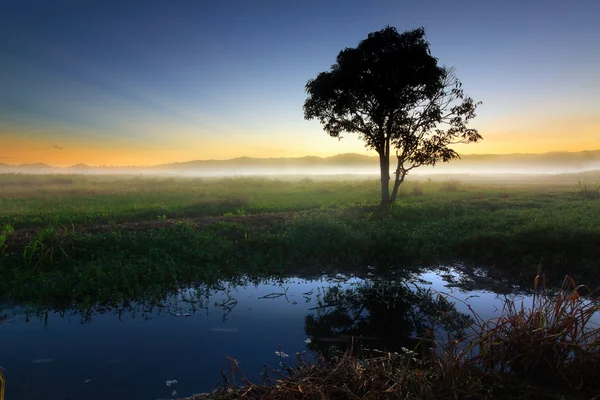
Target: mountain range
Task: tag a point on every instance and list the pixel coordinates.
(342, 163)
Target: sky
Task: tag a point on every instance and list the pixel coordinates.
(151, 82)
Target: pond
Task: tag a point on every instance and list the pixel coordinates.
(179, 346)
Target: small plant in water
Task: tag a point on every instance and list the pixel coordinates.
(2, 384)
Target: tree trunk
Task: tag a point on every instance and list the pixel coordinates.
(384, 164)
(397, 182)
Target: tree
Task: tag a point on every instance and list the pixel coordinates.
(391, 92)
(385, 314)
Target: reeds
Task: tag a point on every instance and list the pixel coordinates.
(554, 340)
(2, 384)
(550, 350)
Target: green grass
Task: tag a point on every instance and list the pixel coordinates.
(50, 251)
(35, 200)
(30, 201)
(98, 241)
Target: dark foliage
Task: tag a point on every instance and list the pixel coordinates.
(392, 93)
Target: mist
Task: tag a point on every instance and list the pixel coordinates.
(499, 168)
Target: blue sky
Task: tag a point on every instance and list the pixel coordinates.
(157, 81)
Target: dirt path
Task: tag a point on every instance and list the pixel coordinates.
(251, 219)
(21, 238)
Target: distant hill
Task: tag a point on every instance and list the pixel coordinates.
(35, 167)
(350, 159)
(548, 162)
(555, 162)
(553, 157)
(79, 166)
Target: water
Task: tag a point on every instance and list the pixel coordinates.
(179, 347)
(134, 355)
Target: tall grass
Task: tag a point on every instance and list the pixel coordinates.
(48, 243)
(551, 341)
(5, 231)
(549, 350)
(587, 190)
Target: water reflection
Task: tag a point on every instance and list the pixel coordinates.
(379, 314)
(133, 349)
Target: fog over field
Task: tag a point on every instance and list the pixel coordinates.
(496, 167)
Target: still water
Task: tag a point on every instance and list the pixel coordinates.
(179, 347)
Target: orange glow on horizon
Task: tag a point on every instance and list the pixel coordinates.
(93, 148)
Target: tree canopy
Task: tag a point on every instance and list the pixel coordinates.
(391, 91)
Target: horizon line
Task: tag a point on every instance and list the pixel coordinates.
(279, 158)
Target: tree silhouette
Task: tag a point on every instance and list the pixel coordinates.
(391, 92)
(384, 314)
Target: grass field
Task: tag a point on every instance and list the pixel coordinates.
(97, 242)
(105, 238)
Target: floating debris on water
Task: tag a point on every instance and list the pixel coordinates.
(281, 354)
(225, 330)
(169, 383)
(87, 381)
(42, 360)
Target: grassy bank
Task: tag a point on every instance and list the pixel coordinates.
(61, 240)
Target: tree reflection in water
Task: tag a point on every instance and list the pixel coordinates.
(382, 315)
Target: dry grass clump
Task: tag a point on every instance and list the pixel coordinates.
(392, 376)
(550, 350)
(552, 342)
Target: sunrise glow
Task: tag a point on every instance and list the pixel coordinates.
(116, 88)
